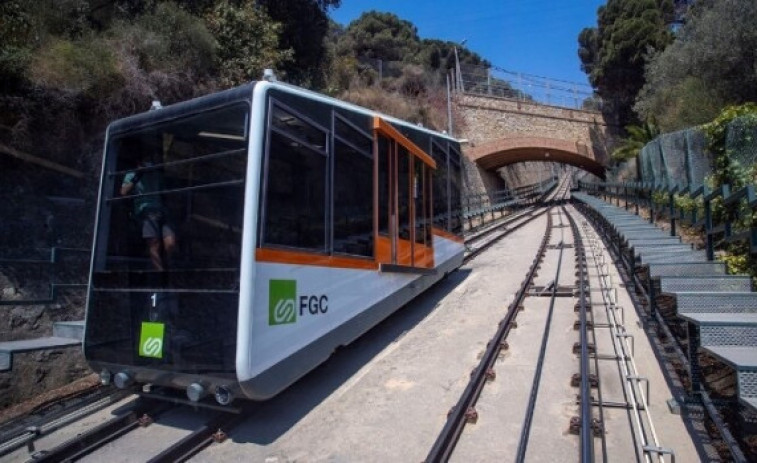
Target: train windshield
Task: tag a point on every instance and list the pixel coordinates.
(168, 243)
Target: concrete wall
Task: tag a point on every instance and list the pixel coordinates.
(477, 180)
(527, 173)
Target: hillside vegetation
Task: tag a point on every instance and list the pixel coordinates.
(68, 67)
(666, 65)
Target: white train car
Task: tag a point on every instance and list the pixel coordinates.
(243, 236)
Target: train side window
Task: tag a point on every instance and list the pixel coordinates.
(403, 193)
(419, 192)
(384, 185)
(295, 182)
(297, 128)
(440, 186)
(456, 223)
(352, 190)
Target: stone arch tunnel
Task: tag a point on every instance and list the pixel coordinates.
(503, 132)
(492, 155)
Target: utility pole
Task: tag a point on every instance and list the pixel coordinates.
(449, 108)
(458, 72)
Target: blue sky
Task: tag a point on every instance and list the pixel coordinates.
(530, 36)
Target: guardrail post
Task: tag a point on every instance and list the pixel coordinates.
(694, 367)
(708, 223)
(727, 225)
(672, 206)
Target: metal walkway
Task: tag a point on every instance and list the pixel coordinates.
(719, 311)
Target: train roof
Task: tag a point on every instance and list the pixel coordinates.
(244, 93)
(357, 108)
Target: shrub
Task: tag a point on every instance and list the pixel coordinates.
(247, 42)
(725, 168)
(169, 40)
(84, 65)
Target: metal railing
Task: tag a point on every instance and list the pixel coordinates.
(43, 269)
(725, 216)
(497, 82)
(476, 207)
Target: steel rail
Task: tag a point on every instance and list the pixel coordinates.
(600, 400)
(57, 420)
(478, 250)
(450, 433)
(503, 222)
(215, 430)
(143, 412)
(629, 276)
(526, 429)
(560, 193)
(556, 194)
(627, 366)
(631, 387)
(586, 453)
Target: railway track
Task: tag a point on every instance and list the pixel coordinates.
(142, 412)
(548, 292)
(481, 240)
(25, 431)
(464, 411)
(600, 351)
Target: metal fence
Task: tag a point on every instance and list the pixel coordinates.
(494, 82)
(681, 158)
(497, 82)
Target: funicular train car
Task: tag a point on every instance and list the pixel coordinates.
(243, 236)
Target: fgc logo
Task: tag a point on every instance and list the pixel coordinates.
(151, 340)
(282, 303)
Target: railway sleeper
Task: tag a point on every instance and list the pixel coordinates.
(590, 347)
(575, 426)
(577, 325)
(471, 415)
(575, 380)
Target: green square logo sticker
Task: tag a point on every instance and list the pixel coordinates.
(151, 340)
(281, 297)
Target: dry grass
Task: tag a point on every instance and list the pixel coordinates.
(427, 109)
(40, 401)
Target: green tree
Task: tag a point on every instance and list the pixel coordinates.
(168, 39)
(84, 65)
(637, 137)
(16, 41)
(438, 54)
(725, 169)
(384, 36)
(247, 42)
(712, 63)
(614, 53)
(304, 25)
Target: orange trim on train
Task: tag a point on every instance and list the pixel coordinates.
(404, 253)
(383, 249)
(280, 256)
(388, 130)
(424, 256)
(446, 234)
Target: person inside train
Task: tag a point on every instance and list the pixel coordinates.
(145, 184)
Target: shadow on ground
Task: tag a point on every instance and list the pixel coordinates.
(281, 413)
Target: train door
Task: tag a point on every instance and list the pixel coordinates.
(403, 198)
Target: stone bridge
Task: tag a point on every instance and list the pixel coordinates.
(502, 132)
